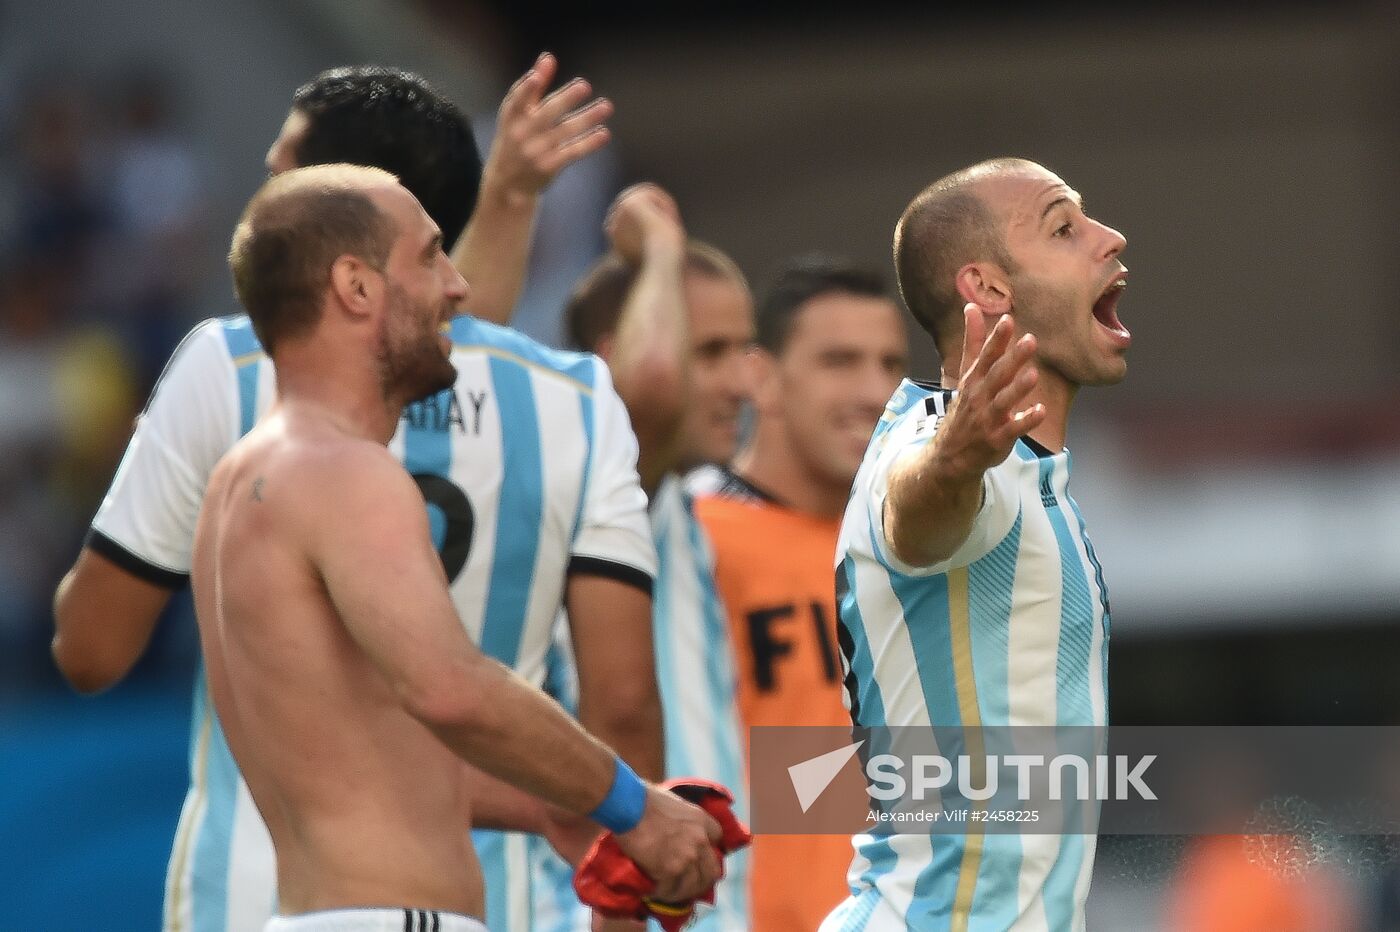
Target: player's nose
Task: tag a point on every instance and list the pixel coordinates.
(1114, 242)
(456, 288)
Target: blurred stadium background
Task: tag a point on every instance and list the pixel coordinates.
(1242, 485)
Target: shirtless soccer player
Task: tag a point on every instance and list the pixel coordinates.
(348, 690)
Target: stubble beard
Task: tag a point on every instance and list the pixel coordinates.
(411, 363)
(1061, 350)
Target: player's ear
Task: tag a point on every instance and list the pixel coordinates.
(358, 287)
(761, 370)
(987, 286)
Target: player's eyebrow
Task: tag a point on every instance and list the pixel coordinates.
(1069, 198)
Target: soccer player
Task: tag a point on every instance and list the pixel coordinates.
(408, 129)
(570, 524)
(831, 349)
(341, 674)
(970, 595)
(674, 319)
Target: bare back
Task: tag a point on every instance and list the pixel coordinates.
(365, 805)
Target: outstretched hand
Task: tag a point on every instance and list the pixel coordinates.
(537, 136)
(989, 411)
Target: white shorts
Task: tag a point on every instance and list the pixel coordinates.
(375, 920)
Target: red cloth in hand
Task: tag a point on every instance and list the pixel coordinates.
(611, 883)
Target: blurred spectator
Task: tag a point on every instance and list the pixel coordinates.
(60, 213)
(97, 263)
(149, 268)
(66, 402)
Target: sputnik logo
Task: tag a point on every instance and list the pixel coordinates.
(811, 777)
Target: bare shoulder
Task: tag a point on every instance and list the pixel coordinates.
(309, 479)
(342, 461)
(335, 486)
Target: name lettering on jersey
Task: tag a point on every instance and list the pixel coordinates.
(477, 400)
(768, 647)
(444, 411)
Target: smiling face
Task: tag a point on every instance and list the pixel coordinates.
(422, 293)
(721, 332)
(1066, 278)
(827, 387)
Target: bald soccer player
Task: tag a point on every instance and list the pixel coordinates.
(971, 596)
(348, 690)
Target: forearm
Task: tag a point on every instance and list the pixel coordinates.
(930, 507)
(493, 252)
(498, 805)
(633, 730)
(650, 356)
(515, 733)
(651, 330)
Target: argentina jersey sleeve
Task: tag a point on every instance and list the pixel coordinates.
(613, 533)
(911, 431)
(146, 522)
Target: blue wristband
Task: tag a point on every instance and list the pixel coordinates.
(622, 808)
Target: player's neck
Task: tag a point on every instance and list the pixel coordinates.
(769, 463)
(1057, 394)
(348, 396)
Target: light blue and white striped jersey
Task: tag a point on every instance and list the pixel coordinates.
(1011, 630)
(696, 676)
(528, 467)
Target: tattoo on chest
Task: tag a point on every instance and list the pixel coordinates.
(257, 489)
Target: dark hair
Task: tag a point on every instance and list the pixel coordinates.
(595, 304)
(947, 226)
(803, 279)
(292, 232)
(392, 119)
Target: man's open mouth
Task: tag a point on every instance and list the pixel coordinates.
(1106, 307)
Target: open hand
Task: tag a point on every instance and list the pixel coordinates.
(537, 136)
(989, 411)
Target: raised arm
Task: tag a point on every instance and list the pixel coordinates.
(935, 491)
(650, 348)
(370, 542)
(536, 138)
